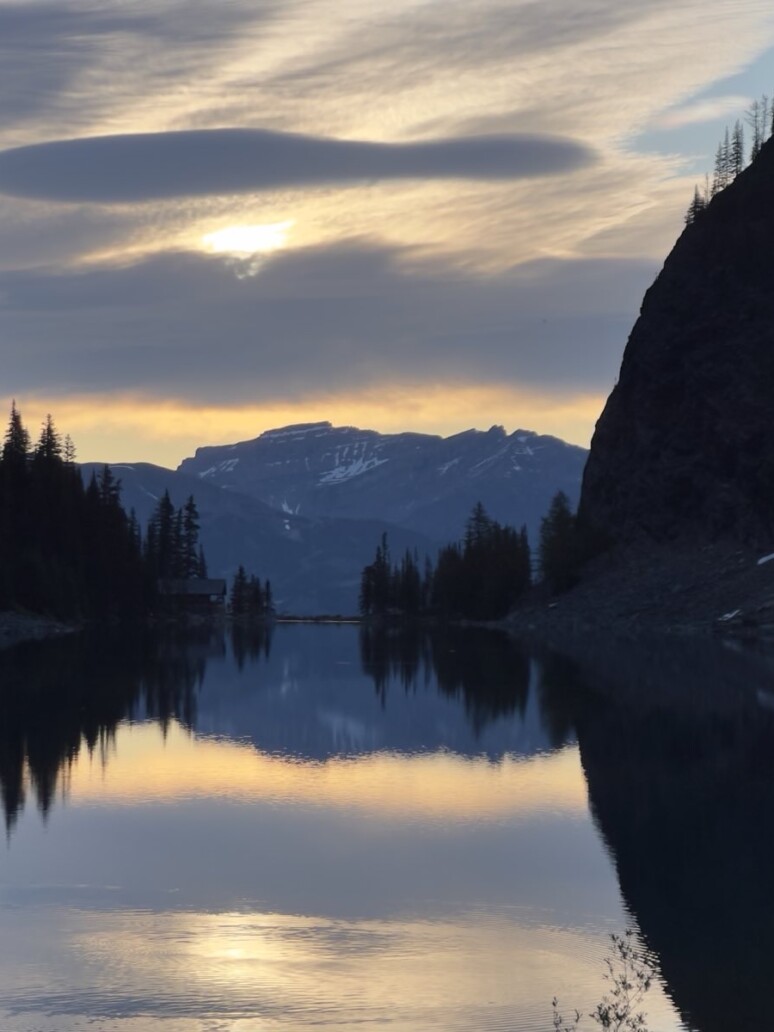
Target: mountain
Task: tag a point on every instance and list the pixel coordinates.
(314, 564)
(424, 483)
(684, 449)
(307, 505)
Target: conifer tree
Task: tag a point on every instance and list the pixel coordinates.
(49, 447)
(737, 149)
(238, 600)
(109, 488)
(695, 208)
(722, 173)
(69, 450)
(255, 602)
(163, 523)
(17, 440)
(765, 116)
(381, 578)
(178, 556)
(408, 594)
(558, 552)
(753, 118)
(190, 557)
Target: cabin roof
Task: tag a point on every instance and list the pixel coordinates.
(192, 587)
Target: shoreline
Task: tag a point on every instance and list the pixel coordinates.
(719, 590)
(17, 628)
(712, 590)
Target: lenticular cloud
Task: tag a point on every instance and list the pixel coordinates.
(151, 166)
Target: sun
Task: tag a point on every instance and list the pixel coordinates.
(246, 240)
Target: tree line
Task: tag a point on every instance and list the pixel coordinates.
(171, 548)
(70, 550)
(65, 549)
(731, 154)
(482, 577)
(248, 599)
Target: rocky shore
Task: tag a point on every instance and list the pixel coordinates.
(719, 589)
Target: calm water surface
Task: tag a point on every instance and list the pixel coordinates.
(339, 831)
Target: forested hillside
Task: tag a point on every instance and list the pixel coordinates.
(66, 549)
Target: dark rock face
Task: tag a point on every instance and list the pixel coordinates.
(685, 445)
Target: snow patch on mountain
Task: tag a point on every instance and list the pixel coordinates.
(354, 469)
(424, 483)
(491, 460)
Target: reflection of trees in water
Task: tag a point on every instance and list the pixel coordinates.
(393, 654)
(683, 793)
(483, 669)
(59, 696)
(487, 670)
(560, 702)
(250, 641)
(679, 758)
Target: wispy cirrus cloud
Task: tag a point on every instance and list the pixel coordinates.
(74, 61)
(472, 191)
(706, 110)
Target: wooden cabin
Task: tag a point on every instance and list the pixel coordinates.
(193, 594)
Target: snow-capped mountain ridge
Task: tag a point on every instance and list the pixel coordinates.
(424, 482)
(306, 505)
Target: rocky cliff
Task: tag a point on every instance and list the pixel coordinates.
(685, 445)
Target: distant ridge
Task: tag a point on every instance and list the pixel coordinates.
(422, 482)
(305, 505)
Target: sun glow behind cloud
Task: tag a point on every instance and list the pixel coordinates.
(248, 240)
(603, 74)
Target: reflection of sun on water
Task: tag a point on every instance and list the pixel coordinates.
(246, 240)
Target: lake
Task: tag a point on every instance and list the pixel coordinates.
(326, 828)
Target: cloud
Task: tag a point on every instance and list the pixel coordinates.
(346, 318)
(151, 166)
(68, 56)
(703, 111)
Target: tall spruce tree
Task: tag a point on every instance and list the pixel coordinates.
(695, 208)
(737, 149)
(239, 597)
(558, 555)
(190, 539)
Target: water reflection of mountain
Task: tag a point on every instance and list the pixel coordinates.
(471, 692)
(317, 692)
(680, 767)
(59, 697)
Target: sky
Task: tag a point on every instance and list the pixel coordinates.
(223, 216)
